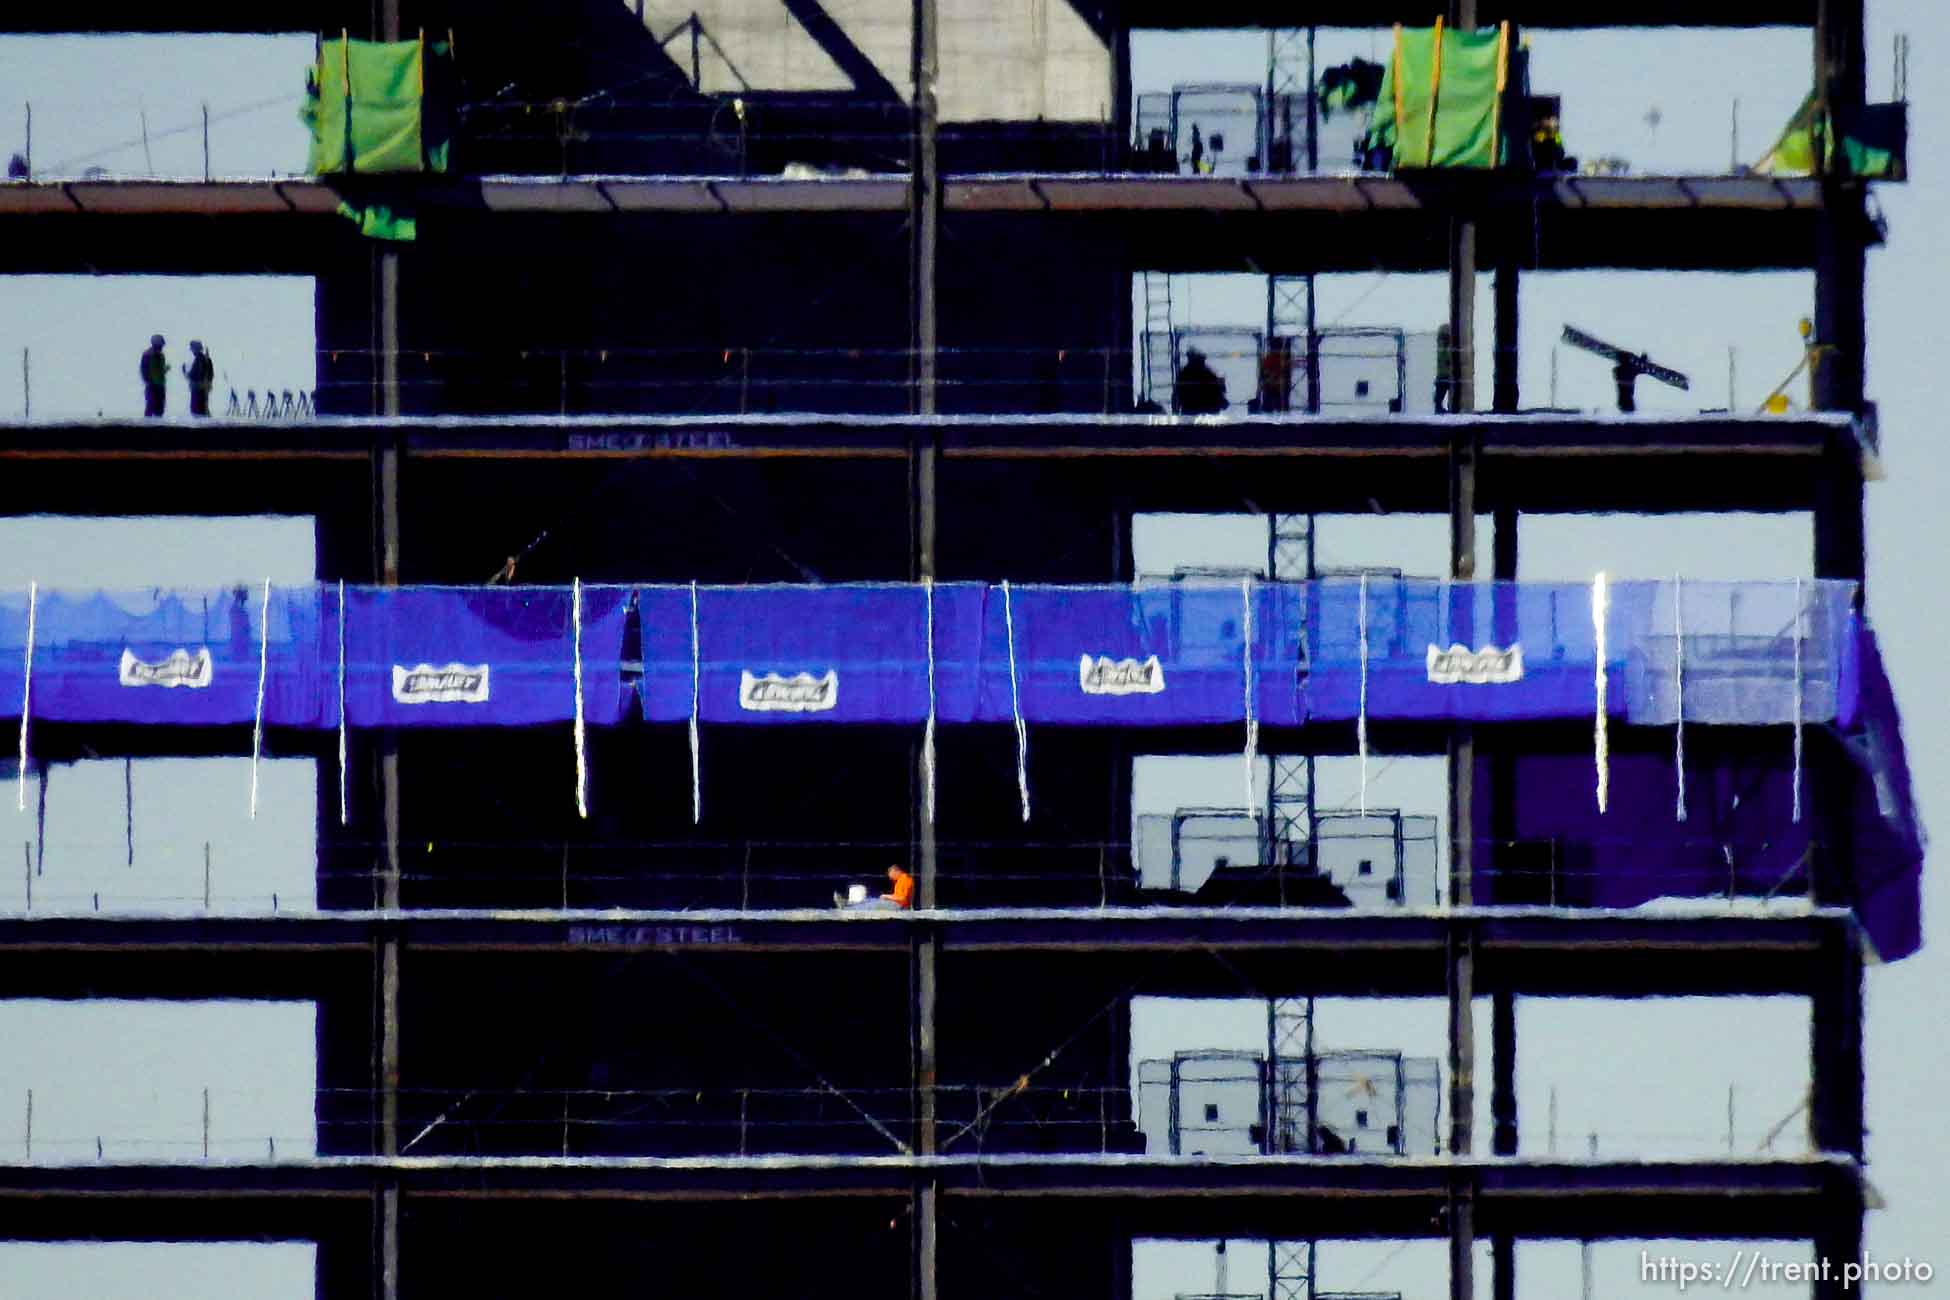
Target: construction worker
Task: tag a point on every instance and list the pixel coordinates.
(1199, 390)
(1626, 376)
(1445, 369)
(202, 374)
(899, 895)
(1276, 376)
(155, 378)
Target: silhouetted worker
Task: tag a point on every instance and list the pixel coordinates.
(1445, 369)
(1199, 390)
(1198, 151)
(202, 374)
(155, 377)
(242, 645)
(1276, 376)
(1626, 376)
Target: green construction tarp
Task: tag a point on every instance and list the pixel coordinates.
(378, 221)
(368, 108)
(1876, 149)
(1460, 105)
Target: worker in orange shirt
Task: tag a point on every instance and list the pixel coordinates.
(899, 896)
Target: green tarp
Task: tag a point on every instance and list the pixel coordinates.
(367, 107)
(1464, 98)
(378, 221)
(1875, 150)
(370, 113)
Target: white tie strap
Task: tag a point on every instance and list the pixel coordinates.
(1601, 743)
(581, 732)
(26, 696)
(697, 780)
(1015, 704)
(263, 672)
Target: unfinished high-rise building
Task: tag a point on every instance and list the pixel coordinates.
(730, 426)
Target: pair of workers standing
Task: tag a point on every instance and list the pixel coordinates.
(201, 373)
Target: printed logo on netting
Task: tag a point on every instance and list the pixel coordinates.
(799, 693)
(1461, 666)
(181, 668)
(1102, 675)
(449, 684)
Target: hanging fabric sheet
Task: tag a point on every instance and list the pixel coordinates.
(1429, 651)
(799, 654)
(188, 657)
(1739, 838)
(1174, 653)
(1169, 654)
(479, 656)
(1163, 654)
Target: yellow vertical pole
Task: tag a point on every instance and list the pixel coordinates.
(1399, 101)
(1502, 84)
(345, 55)
(1435, 92)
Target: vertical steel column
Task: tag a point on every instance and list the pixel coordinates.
(1462, 746)
(1503, 813)
(1503, 1110)
(1836, 1103)
(1841, 336)
(1841, 345)
(924, 196)
(387, 454)
(1117, 34)
(1503, 395)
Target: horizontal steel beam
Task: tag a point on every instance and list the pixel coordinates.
(1345, 195)
(1187, 951)
(1138, 1195)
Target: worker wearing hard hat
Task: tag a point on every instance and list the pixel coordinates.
(155, 378)
(202, 374)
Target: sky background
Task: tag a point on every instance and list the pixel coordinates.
(135, 1076)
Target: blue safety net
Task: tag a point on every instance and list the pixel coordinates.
(476, 656)
(186, 656)
(1160, 654)
(1176, 653)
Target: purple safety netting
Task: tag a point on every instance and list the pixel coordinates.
(475, 656)
(1172, 654)
(186, 656)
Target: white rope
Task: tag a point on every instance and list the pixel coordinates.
(343, 810)
(927, 738)
(1601, 745)
(697, 780)
(1797, 701)
(263, 671)
(26, 695)
(1361, 719)
(1252, 720)
(582, 735)
(1015, 704)
(1679, 692)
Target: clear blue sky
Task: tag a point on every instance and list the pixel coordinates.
(1666, 101)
